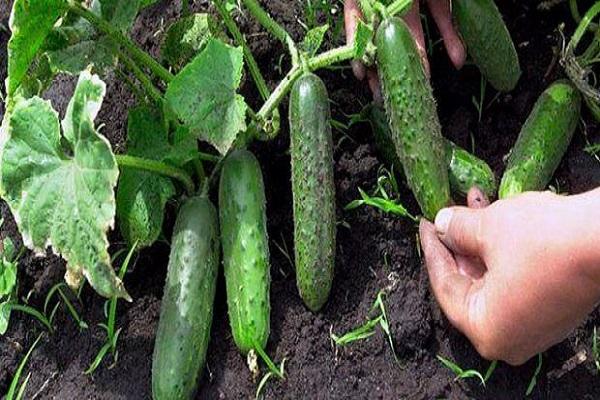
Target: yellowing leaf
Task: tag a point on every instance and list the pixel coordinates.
(61, 188)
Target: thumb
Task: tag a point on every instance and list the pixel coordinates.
(459, 228)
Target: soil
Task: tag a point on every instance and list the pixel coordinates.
(375, 251)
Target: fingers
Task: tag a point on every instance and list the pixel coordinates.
(352, 15)
(451, 289)
(413, 21)
(440, 10)
(374, 85)
(477, 199)
(459, 228)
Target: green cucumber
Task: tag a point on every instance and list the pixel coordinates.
(187, 306)
(242, 207)
(313, 189)
(543, 140)
(464, 169)
(488, 42)
(414, 122)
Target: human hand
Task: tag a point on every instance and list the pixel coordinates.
(515, 277)
(440, 10)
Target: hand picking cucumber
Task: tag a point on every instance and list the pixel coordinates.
(187, 306)
(414, 122)
(488, 42)
(242, 207)
(313, 189)
(543, 140)
(464, 169)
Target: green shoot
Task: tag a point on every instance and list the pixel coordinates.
(112, 334)
(41, 318)
(10, 395)
(270, 364)
(595, 349)
(592, 149)
(534, 378)
(381, 199)
(469, 373)
(364, 331)
(263, 382)
(59, 288)
(479, 103)
(368, 328)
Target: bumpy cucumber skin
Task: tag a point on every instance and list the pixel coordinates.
(464, 169)
(242, 207)
(187, 306)
(488, 42)
(543, 140)
(414, 122)
(313, 189)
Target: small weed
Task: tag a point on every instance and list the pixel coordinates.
(368, 328)
(332, 10)
(469, 373)
(478, 103)
(12, 393)
(381, 199)
(263, 382)
(534, 378)
(112, 334)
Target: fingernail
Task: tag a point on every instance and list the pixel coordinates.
(442, 220)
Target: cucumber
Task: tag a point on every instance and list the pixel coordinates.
(242, 208)
(187, 305)
(543, 140)
(464, 169)
(414, 122)
(488, 42)
(313, 189)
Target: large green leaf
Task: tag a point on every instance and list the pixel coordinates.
(204, 95)
(30, 22)
(142, 196)
(97, 54)
(120, 13)
(61, 188)
(187, 37)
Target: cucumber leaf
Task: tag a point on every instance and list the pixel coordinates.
(362, 39)
(204, 95)
(120, 13)
(8, 277)
(313, 40)
(60, 188)
(30, 22)
(188, 37)
(99, 54)
(142, 196)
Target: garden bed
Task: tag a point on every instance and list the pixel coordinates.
(374, 251)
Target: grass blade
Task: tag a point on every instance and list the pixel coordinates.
(15, 381)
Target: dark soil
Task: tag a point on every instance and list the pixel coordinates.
(375, 251)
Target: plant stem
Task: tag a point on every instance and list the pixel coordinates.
(208, 157)
(121, 40)
(185, 7)
(146, 83)
(331, 57)
(259, 80)
(273, 27)
(127, 161)
(279, 93)
(266, 20)
(322, 60)
(399, 7)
